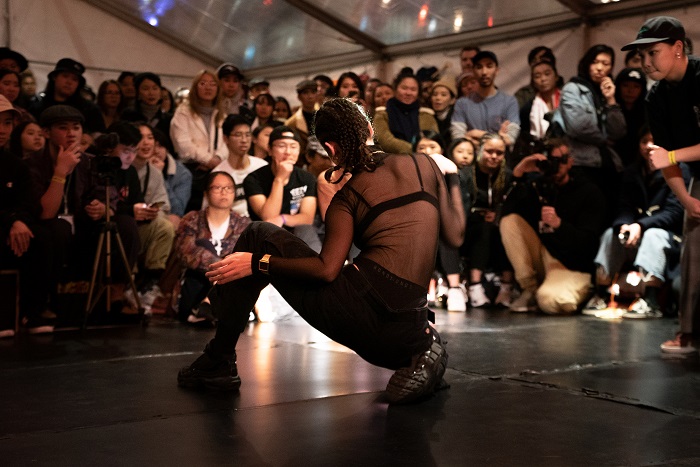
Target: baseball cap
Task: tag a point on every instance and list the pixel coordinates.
(258, 82)
(279, 133)
(228, 69)
(6, 105)
(484, 54)
(658, 29)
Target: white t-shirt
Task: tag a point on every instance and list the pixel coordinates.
(240, 206)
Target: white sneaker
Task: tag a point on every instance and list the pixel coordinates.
(477, 296)
(594, 305)
(524, 303)
(456, 299)
(505, 295)
(153, 294)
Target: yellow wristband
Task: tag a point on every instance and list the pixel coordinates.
(58, 179)
(672, 157)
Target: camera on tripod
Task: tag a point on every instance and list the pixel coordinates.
(107, 166)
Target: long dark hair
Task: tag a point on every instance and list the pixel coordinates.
(584, 65)
(345, 123)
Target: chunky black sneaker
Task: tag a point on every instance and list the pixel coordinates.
(422, 377)
(211, 372)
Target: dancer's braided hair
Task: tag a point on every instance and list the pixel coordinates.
(345, 123)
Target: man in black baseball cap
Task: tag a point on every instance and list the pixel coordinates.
(232, 90)
(658, 29)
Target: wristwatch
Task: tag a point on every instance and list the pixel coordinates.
(264, 264)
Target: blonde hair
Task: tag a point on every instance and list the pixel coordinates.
(195, 102)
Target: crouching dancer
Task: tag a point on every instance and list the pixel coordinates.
(376, 306)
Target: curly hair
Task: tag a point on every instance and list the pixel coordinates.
(345, 123)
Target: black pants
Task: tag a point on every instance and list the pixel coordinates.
(348, 310)
(194, 289)
(35, 271)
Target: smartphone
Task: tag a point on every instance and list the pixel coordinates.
(157, 205)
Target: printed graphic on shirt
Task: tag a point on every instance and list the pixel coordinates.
(297, 195)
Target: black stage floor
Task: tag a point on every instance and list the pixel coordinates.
(526, 390)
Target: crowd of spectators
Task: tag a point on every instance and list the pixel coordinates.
(543, 173)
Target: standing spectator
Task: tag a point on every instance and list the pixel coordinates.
(303, 118)
(326, 88)
(12, 60)
(591, 118)
(466, 84)
(537, 55)
(466, 57)
(147, 106)
(233, 96)
(10, 88)
(63, 87)
(672, 108)
(350, 85)
(167, 101)
(126, 82)
(195, 131)
(281, 192)
(239, 164)
(263, 106)
(282, 111)
(442, 99)
(382, 93)
(550, 230)
(403, 117)
(27, 85)
(487, 110)
(110, 101)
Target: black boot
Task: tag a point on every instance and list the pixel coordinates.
(422, 377)
(211, 371)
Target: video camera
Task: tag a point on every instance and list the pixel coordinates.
(550, 166)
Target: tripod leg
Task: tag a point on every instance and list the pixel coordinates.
(92, 301)
(125, 261)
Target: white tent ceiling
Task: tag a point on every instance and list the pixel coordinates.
(278, 38)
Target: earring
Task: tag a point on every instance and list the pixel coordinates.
(678, 55)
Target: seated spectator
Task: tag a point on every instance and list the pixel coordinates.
(261, 142)
(26, 140)
(110, 101)
(205, 237)
(371, 85)
(486, 110)
(239, 164)
(281, 192)
(195, 131)
(591, 119)
(63, 87)
(487, 182)
(630, 93)
(317, 159)
(550, 230)
(25, 244)
(442, 100)
(147, 106)
(647, 230)
(177, 177)
(302, 119)
(156, 231)
(403, 117)
(282, 110)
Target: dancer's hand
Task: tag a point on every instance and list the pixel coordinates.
(234, 266)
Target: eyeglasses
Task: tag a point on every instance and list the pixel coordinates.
(221, 189)
(208, 84)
